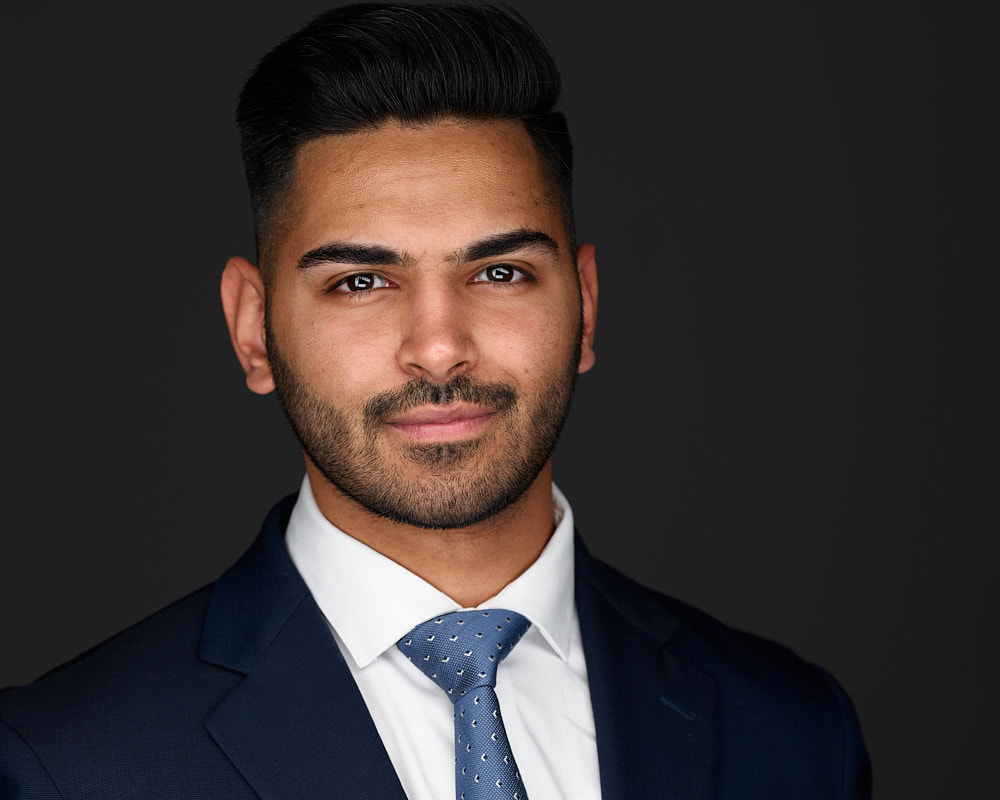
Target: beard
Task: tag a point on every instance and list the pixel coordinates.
(439, 485)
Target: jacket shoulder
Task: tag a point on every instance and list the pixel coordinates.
(722, 649)
(138, 698)
(151, 646)
(782, 719)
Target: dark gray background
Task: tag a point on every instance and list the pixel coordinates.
(794, 207)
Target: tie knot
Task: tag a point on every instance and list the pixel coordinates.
(462, 650)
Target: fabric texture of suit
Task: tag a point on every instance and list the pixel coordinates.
(239, 691)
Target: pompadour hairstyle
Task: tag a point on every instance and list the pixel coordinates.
(359, 66)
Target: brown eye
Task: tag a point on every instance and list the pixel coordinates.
(361, 282)
(500, 273)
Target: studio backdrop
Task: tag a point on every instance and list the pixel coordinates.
(793, 206)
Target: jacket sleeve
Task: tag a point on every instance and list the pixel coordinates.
(856, 776)
(22, 774)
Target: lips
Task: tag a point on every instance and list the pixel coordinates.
(440, 415)
(452, 421)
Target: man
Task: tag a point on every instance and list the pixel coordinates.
(422, 310)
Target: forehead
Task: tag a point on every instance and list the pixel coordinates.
(418, 187)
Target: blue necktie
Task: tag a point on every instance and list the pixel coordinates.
(460, 652)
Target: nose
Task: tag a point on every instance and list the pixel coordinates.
(437, 341)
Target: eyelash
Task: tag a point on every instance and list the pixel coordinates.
(336, 288)
(519, 276)
(524, 276)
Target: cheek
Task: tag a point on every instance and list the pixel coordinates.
(339, 360)
(534, 347)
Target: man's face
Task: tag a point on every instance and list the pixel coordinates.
(424, 318)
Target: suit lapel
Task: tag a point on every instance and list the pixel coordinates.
(296, 727)
(655, 714)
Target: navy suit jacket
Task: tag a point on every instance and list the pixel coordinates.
(239, 691)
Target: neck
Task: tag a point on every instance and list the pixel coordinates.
(469, 565)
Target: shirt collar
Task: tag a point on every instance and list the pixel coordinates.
(350, 582)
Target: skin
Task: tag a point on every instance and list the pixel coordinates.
(427, 193)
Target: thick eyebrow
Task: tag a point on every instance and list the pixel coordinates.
(375, 255)
(365, 255)
(503, 244)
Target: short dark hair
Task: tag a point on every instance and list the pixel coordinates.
(357, 67)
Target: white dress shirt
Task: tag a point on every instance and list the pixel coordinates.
(371, 602)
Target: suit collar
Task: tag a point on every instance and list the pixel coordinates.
(253, 599)
(296, 727)
(624, 595)
(654, 712)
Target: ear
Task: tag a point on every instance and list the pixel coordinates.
(243, 303)
(586, 265)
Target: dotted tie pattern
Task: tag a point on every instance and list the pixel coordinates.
(460, 652)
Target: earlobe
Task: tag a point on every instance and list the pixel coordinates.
(242, 292)
(586, 264)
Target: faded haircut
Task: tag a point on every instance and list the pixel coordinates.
(357, 67)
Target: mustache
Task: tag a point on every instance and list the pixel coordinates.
(421, 392)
